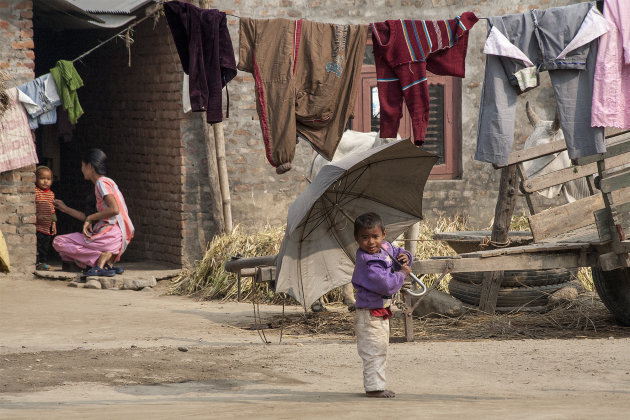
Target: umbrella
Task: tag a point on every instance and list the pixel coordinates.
(318, 249)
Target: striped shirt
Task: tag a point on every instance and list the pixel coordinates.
(44, 209)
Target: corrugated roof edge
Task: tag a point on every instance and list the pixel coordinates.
(119, 7)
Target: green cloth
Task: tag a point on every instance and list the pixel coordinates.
(68, 81)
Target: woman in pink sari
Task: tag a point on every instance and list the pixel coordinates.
(107, 232)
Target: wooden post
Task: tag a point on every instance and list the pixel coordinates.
(216, 204)
(409, 336)
(502, 217)
(219, 142)
(412, 233)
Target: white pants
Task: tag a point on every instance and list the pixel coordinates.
(372, 340)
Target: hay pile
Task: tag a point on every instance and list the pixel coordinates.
(587, 317)
(208, 278)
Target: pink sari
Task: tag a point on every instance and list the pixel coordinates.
(111, 235)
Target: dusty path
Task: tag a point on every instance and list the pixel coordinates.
(76, 353)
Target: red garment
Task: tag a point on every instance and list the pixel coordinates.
(386, 313)
(403, 52)
(44, 210)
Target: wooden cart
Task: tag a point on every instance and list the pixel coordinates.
(589, 232)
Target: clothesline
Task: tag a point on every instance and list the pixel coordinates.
(119, 34)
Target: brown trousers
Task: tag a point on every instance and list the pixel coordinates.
(307, 75)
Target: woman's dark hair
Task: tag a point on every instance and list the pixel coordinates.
(367, 221)
(97, 158)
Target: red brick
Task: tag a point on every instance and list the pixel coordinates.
(29, 54)
(28, 33)
(24, 5)
(26, 14)
(3, 23)
(21, 45)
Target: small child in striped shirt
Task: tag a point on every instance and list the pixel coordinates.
(45, 223)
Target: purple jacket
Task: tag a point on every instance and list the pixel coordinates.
(206, 53)
(376, 277)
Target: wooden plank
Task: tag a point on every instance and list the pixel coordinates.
(528, 196)
(621, 196)
(233, 265)
(568, 174)
(528, 249)
(621, 215)
(558, 177)
(615, 181)
(603, 222)
(535, 152)
(534, 261)
(490, 290)
(265, 274)
(612, 261)
(565, 218)
(612, 150)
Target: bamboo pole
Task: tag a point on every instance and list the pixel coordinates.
(219, 142)
(216, 203)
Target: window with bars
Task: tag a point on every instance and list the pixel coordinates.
(443, 133)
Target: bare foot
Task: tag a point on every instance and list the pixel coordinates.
(380, 394)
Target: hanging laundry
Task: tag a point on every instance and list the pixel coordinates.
(68, 81)
(307, 76)
(186, 107)
(65, 129)
(403, 52)
(40, 100)
(611, 87)
(17, 148)
(205, 50)
(518, 47)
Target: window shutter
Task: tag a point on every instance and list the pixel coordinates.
(434, 139)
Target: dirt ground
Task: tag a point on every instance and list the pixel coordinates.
(78, 353)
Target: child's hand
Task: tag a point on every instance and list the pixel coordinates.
(403, 259)
(406, 269)
(87, 229)
(60, 205)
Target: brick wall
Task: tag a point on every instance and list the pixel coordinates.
(260, 196)
(17, 190)
(156, 152)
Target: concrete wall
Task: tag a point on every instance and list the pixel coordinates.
(260, 196)
(17, 188)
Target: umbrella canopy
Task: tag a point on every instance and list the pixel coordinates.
(318, 250)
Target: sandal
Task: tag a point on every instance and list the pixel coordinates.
(98, 271)
(118, 270)
(42, 267)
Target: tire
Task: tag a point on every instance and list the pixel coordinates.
(522, 278)
(613, 288)
(508, 297)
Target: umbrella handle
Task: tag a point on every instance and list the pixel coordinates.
(413, 276)
(418, 283)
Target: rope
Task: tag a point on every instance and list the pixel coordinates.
(121, 34)
(486, 242)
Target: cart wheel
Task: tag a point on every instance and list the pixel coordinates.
(613, 288)
(522, 278)
(513, 297)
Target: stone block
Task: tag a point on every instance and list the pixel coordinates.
(93, 284)
(139, 283)
(108, 282)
